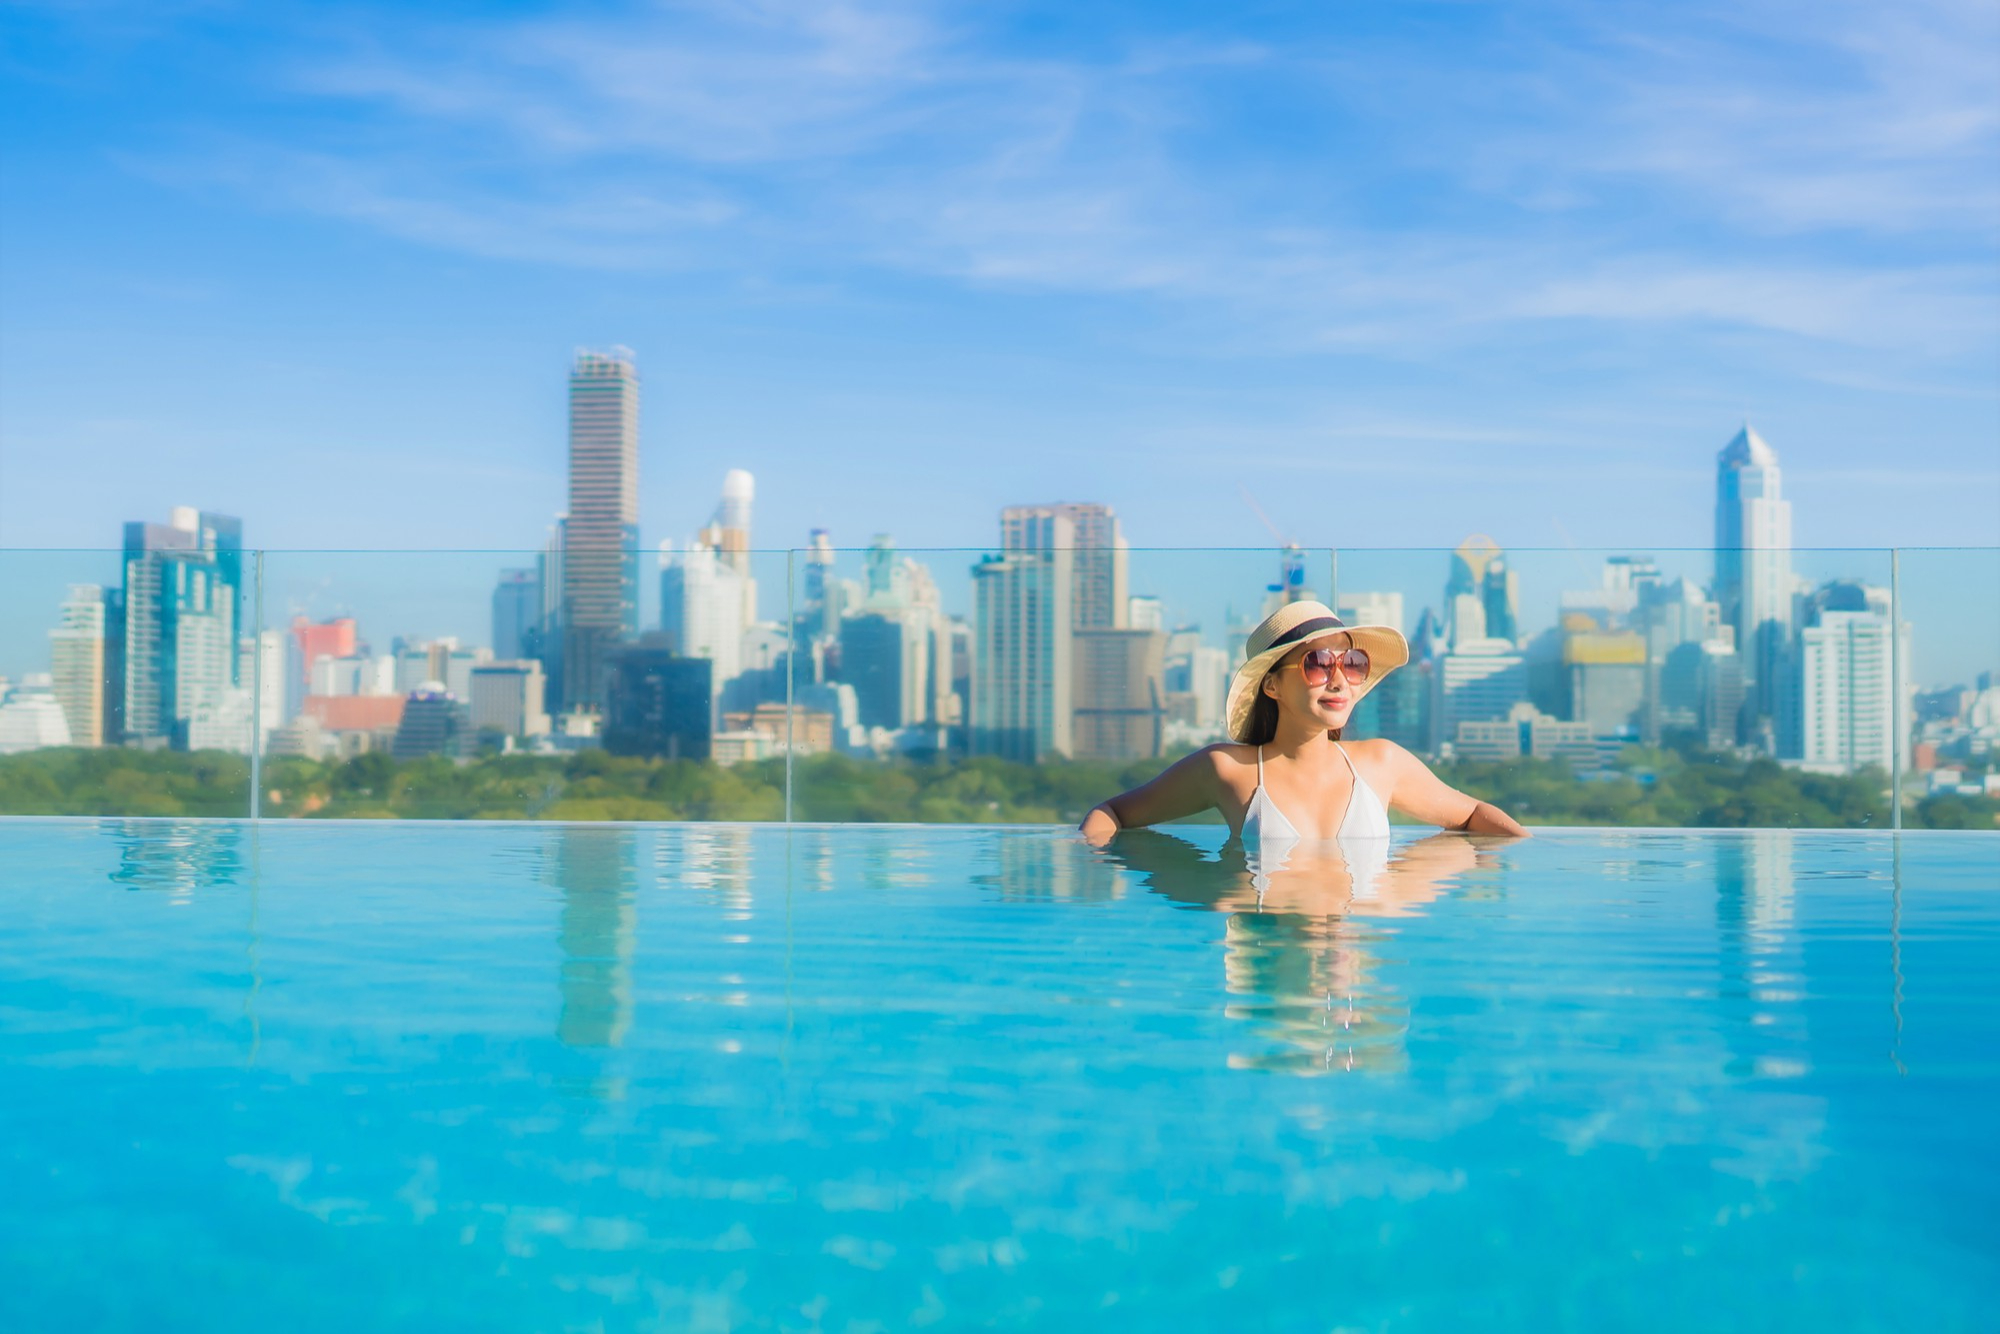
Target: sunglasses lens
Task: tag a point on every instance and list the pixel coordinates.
(1355, 664)
(1317, 666)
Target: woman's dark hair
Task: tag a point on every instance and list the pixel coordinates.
(1263, 724)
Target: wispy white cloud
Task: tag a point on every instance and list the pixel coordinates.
(1801, 173)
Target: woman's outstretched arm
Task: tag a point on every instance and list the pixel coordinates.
(1421, 794)
(1189, 785)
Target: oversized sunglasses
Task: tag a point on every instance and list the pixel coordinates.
(1318, 665)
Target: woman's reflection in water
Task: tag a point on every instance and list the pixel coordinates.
(1301, 947)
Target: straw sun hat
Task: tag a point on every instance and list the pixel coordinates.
(1298, 623)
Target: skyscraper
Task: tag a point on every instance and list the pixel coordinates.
(600, 549)
(1100, 567)
(1753, 571)
(76, 661)
(701, 609)
(660, 702)
(182, 614)
(728, 536)
(517, 614)
(1111, 693)
(1479, 594)
(1023, 603)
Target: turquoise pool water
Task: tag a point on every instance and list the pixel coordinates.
(464, 1077)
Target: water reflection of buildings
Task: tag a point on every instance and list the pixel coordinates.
(1300, 964)
(713, 860)
(1035, 868)
(177, 856)
(1761, 981)
(594, 871)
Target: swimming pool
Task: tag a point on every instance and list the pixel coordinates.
(444, 1077)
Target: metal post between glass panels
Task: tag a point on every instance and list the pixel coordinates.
(791, 669)
(257, 685)
(1897, 732)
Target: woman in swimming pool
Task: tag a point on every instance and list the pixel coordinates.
(1285, 777)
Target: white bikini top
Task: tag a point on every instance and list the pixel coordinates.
(1363, 838)
(1365, 817)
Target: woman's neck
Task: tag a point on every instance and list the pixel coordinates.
(1307, 741)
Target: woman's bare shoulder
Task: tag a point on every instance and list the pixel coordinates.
(1228, 755)
(1379, 751)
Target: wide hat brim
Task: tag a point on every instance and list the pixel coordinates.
(1386, 648)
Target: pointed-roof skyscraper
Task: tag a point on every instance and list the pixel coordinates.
(1753, 568)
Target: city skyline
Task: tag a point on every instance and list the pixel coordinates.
(1147, 264)
(1059, 653)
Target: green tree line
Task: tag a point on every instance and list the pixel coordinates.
(1664, 787)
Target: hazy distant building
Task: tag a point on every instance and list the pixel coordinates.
(872, 661)
(1480, 681)
(660, 703)
(517, 614)
(77, 663)
(507, 698)
(1527, 733)
(434, 722)
(1371, 609)
(600, 554)
(243, 716)
(1199, 674)
(374, 675)
(31, 718)
(1604, 678)
(1145, 613)
(1677, 621)
(702, 603)
(312, 642)
(1481, 596)
(728, 533)
(1754, 583)
(1117, 695)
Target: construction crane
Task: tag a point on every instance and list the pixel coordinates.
(1291, 585)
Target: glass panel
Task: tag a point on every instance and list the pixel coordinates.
(126, 678)
(1637, 687)
(1023, 682)
(453, 685)
(1569, 687)
(1018, 683)
(1949, 674)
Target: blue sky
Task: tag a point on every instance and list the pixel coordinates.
(1400, 270)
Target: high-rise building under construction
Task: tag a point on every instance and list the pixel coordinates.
(600, 545)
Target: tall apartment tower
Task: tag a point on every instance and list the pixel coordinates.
(1753, 572)
(600, 549)
(1100, 571)
(77, 663)
(1057, 668)
(1849, 709)
(1021, 651)
(183, 614)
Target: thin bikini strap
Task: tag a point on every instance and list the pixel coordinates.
(1353, 789)
(1260, 766)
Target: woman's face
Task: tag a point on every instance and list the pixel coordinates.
(1327, 704)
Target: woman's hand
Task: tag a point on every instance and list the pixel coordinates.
(1099, 826)
(1486, 818)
